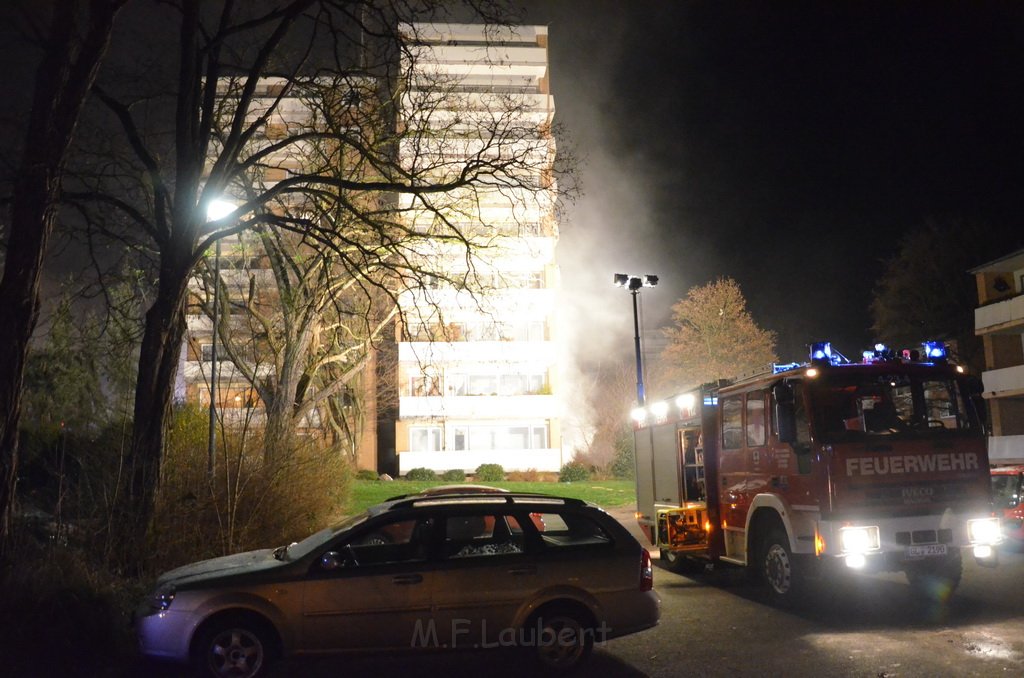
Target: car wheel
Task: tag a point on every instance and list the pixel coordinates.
(936, 580)
(563, 638)
(240, 646)
(778, 568)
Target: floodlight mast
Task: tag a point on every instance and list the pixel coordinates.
(633, 284)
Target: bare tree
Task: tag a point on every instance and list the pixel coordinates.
(378, 164)
(714, 337)
(74, 44)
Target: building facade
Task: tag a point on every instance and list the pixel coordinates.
(474, 365)
(999, 321)
(477, 374)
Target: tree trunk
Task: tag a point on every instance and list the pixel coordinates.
(62, 82)
(158, 365)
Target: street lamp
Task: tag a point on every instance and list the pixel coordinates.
(633, 283)
(215, 211)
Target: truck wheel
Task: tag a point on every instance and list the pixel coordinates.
(936, 579)
(778, 569)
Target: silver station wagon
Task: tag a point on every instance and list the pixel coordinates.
(549, 575)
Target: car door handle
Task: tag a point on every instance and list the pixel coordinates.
(523, 570)
(406, 579)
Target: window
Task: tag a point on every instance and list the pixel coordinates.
(425, 438)
(755, 419)
(207, 352)
(514, 437)
(482, 535)
(566, 530)
(396, 542)
(732, 422)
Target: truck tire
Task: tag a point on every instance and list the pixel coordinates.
(778, 569)
(936, 579)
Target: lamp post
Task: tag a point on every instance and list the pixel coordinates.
(633, 283)
(215, 211)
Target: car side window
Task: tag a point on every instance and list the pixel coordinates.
(395, 542)
(492, 534)
(567, 530)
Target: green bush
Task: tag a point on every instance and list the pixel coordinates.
(420, 474)
(366, 474)
(490, 473)
(623, 466)
(455, 475)
(573, 472)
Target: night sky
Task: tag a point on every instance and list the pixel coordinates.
(787, 145)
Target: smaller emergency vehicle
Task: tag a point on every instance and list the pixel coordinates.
(810, 470)
(1008, 499)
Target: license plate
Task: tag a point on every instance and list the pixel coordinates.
(926, 550)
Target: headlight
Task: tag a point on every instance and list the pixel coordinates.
(984, 531)
(162, 598)
(859, 539)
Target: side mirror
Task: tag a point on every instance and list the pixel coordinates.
(331, 560)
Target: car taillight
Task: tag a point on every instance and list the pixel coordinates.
(646, 571)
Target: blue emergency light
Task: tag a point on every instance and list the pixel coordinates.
(821, 352)
(935, 351)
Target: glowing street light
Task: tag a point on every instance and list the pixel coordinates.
(633, 283)
(215, 211)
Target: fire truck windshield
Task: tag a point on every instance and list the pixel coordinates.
(860, 405)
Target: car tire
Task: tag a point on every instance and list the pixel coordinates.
(936, 580)
(562, 638)
(778, 569)
(238, 645)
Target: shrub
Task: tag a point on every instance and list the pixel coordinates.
(573, 472)
(366, 474)
(623, 466)
(490, 473)
(253, 501)
(420, 474)
(455, 475)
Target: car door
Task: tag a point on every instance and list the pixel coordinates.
(486, 570)
(371, 589)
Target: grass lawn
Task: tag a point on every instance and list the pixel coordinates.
(604, 493)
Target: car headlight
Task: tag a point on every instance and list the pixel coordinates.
(162, 598)
(859, 539)
(984, 531)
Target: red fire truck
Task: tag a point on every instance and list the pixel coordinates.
(1008, 498)
(808, 470)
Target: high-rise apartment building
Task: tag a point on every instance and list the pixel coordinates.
(475, 374)
(999, 321)
(477, 364)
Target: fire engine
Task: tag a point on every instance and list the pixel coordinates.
(1008, 497)
(808, 470)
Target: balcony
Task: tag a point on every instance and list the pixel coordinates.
(481, 407)
(1003, 449)
(1003, 382)
(1004, 316)
(540, 353)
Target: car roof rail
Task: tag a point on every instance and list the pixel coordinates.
(482, 498)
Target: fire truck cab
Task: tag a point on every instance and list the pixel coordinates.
(808, 470)
(1008, 499)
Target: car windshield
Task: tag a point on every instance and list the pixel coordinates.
(860, 405)
(304, 547)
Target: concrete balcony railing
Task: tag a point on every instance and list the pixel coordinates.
(1006, 449)
(1003, 382)
(1003, 315)
(480, 407)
